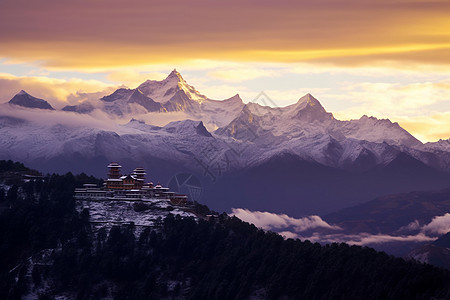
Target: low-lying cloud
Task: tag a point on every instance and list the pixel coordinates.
(47, 118)
(271, 221)
(364, 238)
(315, 229)
(439, 225)
(97, 119)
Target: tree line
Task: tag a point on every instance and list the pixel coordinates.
(186, 258)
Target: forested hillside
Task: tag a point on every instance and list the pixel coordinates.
(220, 258)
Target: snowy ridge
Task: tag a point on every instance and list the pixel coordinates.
(249, 133)
(307, 118)
(163, 91)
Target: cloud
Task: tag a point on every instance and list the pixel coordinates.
(59, 92)
(224, 91)
(395, 99)
(159, 119)
(411, 227)
(97, 119)
(439, 225)
(133, 77)
(364, 239)
(289, 235)
(243, 73)
(417, 100)
(138, 32)
(427, 128)
(419, 107)
(47, 118)
(269, 221)
(314, 229)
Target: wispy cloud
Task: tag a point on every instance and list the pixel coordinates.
(269, 221)
(395, 99)
(315, 229)
(133, 77)
(59, 92)
(243, 73)
(439, 225)
(364, 238)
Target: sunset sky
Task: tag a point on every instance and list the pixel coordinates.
(389, 59)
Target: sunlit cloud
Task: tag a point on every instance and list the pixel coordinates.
(394, 99)
(419, 107)
(269, 221)
(348, 33)
(132, 78)
(59, 92)
(429, 128)
(225, 91)
(243, 73)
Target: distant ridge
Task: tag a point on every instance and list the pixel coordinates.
(26, 100)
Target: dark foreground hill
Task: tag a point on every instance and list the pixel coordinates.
(48, 249)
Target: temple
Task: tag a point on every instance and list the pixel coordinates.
(131, 187)
(116, 181)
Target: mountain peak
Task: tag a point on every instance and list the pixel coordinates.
(201, 130)
(187, 127)
(309, 109)
(169, 90)
(24, 99)
(175, 75)
(309, 100)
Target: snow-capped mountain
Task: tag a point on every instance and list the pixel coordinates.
(441, 145)
(304, 129)
(173, 92)
(123, 102)
(170, 94)
(308, 118)
(26, 100)
(219, 113)
(223, 138)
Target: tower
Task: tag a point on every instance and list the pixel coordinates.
(139, 173)
(114, 170)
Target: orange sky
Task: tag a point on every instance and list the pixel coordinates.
(93, 34)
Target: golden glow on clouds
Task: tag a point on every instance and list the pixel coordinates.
(59, 92)
(133, 78)
(428, 128)
(237, 74)
(416, 107)
(103, 34)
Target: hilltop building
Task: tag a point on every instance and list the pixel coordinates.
(116, 181)
(131, 187)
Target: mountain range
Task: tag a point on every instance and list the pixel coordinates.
(297, 159)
